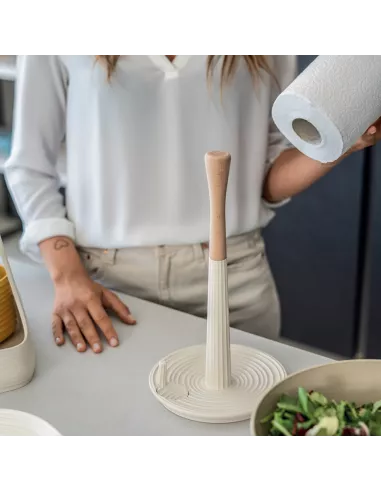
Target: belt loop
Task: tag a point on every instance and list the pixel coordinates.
(254, 238)
(198, 251)
(109, 256)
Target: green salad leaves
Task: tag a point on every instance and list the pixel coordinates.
(312, 414)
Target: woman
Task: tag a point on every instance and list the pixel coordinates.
(137, 213)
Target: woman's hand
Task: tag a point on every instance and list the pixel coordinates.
(80, 306)
(294, 172)
(370, 137)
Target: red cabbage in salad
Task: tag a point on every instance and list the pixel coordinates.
(312, 414)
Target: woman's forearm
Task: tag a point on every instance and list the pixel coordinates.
(293, 173)
(61, 258)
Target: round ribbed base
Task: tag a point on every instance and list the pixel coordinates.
(184, 391)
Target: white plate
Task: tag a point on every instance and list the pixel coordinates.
(13, 423)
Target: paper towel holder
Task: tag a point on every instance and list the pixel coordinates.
(218, 382)
(307, 131)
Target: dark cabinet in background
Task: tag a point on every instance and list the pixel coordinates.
(370, 322)
(314, 247)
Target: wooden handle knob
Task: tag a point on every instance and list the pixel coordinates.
(217, 170)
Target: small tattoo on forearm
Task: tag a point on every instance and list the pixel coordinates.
(61, 244)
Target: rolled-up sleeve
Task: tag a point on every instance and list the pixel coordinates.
(285, 71)
(39, 129)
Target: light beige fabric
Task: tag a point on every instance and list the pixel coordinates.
(177, 277)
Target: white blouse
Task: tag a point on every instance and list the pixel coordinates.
(136, 146)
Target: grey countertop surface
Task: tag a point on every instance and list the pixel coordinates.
(108, 395)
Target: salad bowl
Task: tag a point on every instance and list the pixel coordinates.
(341, 387)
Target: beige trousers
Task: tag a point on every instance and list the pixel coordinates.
(177, 277)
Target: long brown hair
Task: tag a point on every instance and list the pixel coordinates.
(254, 63)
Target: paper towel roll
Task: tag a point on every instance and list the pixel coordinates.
(330, 105)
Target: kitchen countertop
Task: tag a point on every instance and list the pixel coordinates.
(108, 395)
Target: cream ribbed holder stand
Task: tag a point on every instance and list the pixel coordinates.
(219, 382)
(218, 358)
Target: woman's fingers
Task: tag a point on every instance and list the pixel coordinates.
(57, 327)
(112, 301)
(81, 315)
(88, 330)
(370, 137)
(74, 332)
(373, 128)
(101, 318)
